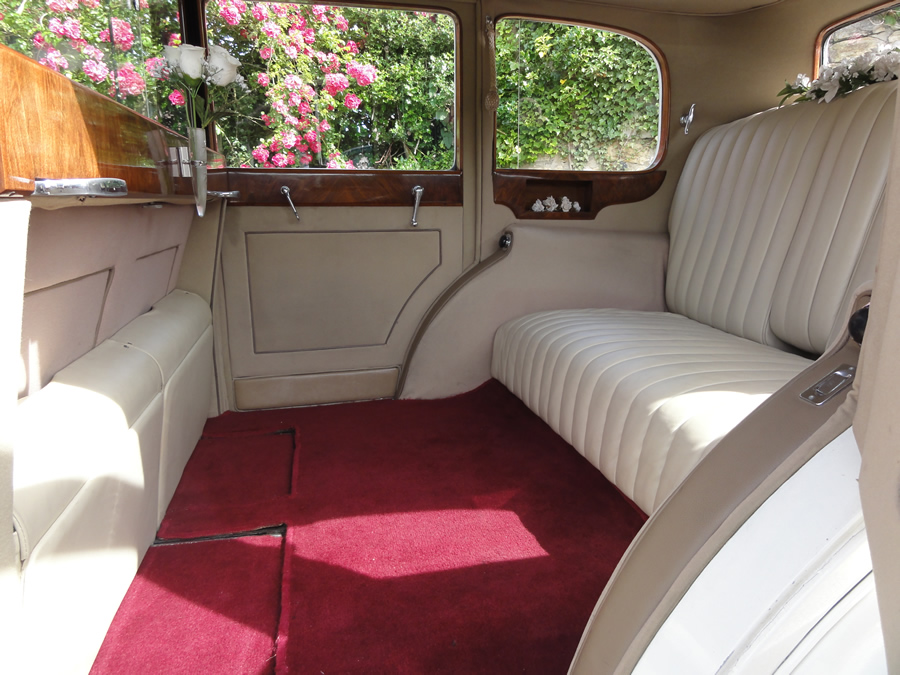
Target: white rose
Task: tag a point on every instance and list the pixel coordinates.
(172, 55)
(187, 59)
(222, 66)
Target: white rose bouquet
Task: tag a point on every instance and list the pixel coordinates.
(844, 77)
(188, 69)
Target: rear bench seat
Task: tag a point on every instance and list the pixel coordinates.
(98, 453)
(773, 230)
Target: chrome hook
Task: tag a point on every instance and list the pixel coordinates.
(286, 191)
(686, 120)
(417, 191)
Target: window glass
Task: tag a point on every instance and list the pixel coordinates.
(574, 98)
(338, 87)
(877, 31)
(112, 46)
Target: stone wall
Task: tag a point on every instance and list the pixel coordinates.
(878, 31)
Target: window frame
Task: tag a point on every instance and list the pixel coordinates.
(594, 190)
(826, 32)
(664, 98)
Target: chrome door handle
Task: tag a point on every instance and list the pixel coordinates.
(417, 191)
(286, 191)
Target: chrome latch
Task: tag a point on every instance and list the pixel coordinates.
(417, 192)
(830, 386)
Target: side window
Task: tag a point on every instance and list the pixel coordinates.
(338, 87)
(876, 31)
(114, 47)
(575, 98)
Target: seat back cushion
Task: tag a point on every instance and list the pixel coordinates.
(772, 213)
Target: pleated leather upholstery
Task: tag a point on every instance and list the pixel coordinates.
(642, 395)
(771, 214)
(773, 225)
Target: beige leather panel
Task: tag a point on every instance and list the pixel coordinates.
(138, 249)
(94, 402)
(642, 395)
(124, 375)
(14, 216)
(201, 251)
(169, 330)
(354, 300)
(81, 568)
(353, 282)
(875, 424)
(186, 402)
(76, 305)
(546, 268)
(315, 389)
(838, 218)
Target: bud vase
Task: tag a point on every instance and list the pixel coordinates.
(197, 149)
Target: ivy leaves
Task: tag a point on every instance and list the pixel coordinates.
(573, 97)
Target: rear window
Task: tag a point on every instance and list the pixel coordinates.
(872, 32)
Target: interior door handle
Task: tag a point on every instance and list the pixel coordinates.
(417, 191)
(286, 191)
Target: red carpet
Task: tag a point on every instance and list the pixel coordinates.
(453, 536)
(207, 607)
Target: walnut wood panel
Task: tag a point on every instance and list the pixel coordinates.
(51, 127)
(262, 187)
(593, 191)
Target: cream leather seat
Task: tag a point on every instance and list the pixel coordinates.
(98, 454)
(773, 228)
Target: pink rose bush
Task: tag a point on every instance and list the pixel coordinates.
(308, 78)
(95, 70)
(309, 69)
(129, 81)
(79, 38)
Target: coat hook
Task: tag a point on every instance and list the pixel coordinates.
(686, 120)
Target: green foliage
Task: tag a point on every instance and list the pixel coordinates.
(408, 116)
(585, 97)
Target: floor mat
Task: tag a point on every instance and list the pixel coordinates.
(460, 535)
(204, 607)
(236, 482)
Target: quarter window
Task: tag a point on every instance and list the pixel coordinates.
(575, 98)
(876, 31)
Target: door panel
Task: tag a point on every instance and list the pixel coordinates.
(322, 310)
